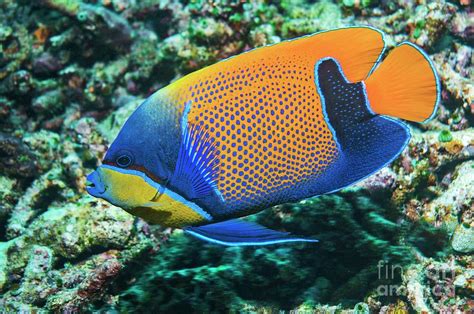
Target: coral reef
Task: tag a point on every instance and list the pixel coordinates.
(68, 256)
(72, 71)
(354, 233)
(16, 159)
(432, 285)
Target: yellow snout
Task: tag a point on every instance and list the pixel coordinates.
(133, 191)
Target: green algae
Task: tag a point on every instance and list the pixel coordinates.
(361, 308)
(362, 4)
(4, 246)
(419, 27)
(6, 187)
(69, 6)
(445, 136)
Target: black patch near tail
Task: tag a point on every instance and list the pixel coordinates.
(367, 141)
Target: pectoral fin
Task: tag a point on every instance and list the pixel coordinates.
(195, 176)
(241, 233)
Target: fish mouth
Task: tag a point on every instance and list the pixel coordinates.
(94, 184)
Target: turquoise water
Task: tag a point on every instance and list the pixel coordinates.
(71, 72)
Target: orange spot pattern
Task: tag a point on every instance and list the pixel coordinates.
(267, 122)
(264, 113)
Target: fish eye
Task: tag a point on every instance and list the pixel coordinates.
(124, 161)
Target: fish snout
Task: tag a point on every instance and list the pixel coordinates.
(94, 184)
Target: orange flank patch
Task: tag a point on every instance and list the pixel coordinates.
(263, 110)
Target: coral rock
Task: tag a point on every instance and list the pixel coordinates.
(15, 158)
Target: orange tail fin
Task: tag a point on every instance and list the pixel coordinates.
(405, 85)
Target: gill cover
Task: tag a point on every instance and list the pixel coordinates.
(150, 137)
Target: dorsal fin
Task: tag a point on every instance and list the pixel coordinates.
(358, 49)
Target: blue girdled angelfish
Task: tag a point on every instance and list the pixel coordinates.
(273, 125)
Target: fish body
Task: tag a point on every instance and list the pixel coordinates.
(274, 125)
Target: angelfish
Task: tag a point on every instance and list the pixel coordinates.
(274, 125)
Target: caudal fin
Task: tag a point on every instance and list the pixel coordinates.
(405, 85)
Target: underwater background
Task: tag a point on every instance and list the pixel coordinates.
(72, 71)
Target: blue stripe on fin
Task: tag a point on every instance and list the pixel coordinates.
(367, 141)
(196, 168)
(241, 233)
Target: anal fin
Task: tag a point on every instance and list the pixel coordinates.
(241, 233)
